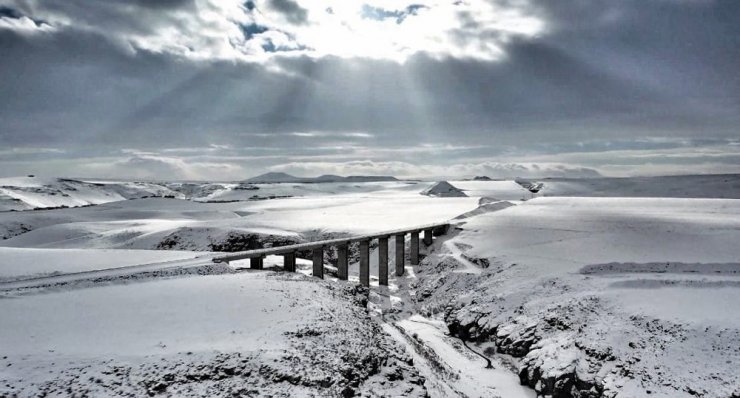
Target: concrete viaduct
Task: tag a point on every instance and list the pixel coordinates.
(399, 236)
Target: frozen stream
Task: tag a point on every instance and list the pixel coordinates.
(450, 369)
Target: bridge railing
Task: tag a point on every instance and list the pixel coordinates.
(342, 244)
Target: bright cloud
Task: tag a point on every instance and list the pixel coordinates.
(394, 30)
(256, 30)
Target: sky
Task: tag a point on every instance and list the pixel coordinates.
(225, 90)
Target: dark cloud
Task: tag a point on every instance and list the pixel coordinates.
(293, 12)
(114, 18)
(252, 29)
(162, 4)
(16, 13)
(8, 12)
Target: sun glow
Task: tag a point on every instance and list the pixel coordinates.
(393, 30)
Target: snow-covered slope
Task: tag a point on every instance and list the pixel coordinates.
(691, 186)
(31, 192)
(25, 193)
(229, 334)
(622, 296)
(282, 190)
(24, 263)
(502, 190)
(178, 224)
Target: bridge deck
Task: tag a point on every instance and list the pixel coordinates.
(321, 243)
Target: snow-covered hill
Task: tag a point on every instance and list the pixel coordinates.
(161, 223)
(31, 192)
(602, 296)
(208, 333)
(26, 193)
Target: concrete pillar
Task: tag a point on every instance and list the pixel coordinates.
(365, 262)
(428, 237)
(400, 255)
(289, 262)
(318, 262)
(383, 260)
(342, 263)
(414, 249)
(255, 263)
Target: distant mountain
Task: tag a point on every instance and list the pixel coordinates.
(369, 178)
(533, 170)
(276, 177)
(328, 178)
(273, 177)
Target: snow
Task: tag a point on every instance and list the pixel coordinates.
(31, 192)
(226, 313)
(473, 380)
(622, 286)
(145, 223)
(722, 186)
(26, 182)
(23, 263)
(356, 214)
(255, 321)
(502, 190)
(648, 278)
(24, 193)
(710, 304)
(151, 307)
(566, 233)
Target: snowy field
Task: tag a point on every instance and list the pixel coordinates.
(721, 186)
(155, 223)
(634, 296)
(597, 287)
(245, 334)
(24, 263)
